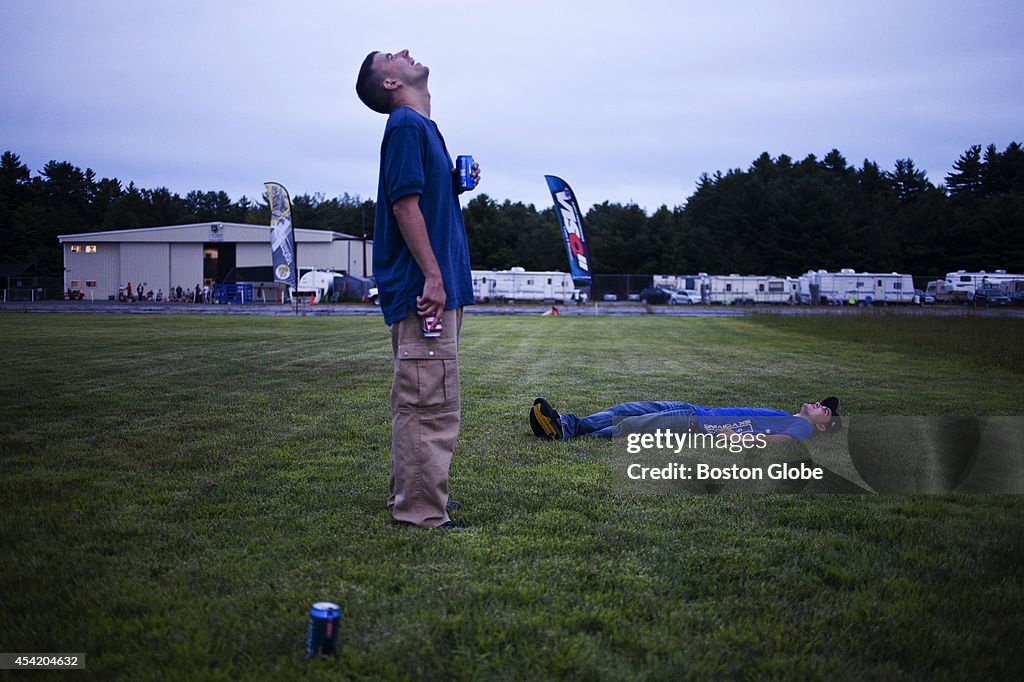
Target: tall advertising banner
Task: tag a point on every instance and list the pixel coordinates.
(571, 220)
(282, 235)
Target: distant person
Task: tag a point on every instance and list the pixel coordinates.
(776, 425)
(421, 264)
(128, 290)
(196, 297)
(177, 292)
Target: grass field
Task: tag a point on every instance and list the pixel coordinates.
(176, 491)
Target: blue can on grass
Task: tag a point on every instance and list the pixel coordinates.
(464, 164)
(322, 631)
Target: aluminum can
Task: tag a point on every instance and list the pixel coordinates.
(426, 323)
(322, 631)
(464, 164)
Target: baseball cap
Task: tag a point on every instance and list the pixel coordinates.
(832, 403)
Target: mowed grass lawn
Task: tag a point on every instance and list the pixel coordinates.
(177, 490)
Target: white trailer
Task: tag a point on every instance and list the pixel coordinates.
(807, 288)
(894, 287)
(743, 289)
(961, 285)
(695, 286)
(848, 287)
(518, 284)
(937, 289)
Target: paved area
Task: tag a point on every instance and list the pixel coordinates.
(604, 308)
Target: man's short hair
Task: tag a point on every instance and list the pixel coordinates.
(370, 87)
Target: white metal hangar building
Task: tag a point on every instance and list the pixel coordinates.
(100, 263)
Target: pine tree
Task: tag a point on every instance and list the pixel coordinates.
(907, 181)
(966, 178)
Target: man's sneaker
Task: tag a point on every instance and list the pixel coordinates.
(447, 525)
(450, 525)
(544, 420)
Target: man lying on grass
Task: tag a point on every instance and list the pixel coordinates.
(775, 425)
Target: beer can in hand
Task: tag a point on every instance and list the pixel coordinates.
(427, 322)
(464, 164)
(322, 631)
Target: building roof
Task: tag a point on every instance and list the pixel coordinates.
(15, 269)
(200, 232)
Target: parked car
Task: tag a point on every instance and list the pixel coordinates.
(923, 297)
(610, 297)
(654, 296)
(991, 296)
(680, 298)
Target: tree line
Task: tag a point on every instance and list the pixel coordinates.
(779, 216)
(64, 199)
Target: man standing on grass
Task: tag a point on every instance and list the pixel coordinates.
(421, 264)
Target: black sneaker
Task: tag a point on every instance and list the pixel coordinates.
(450, 525)
(544, 420)
(447, 525)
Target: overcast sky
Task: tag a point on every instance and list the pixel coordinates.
(628, 100)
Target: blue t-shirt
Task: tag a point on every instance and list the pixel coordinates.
(414, 160)
(754, 420)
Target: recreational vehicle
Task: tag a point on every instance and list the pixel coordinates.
(751, 289)
(695, 286)
(937, 289)
(961, 285)
(848, 287)
(519, 284)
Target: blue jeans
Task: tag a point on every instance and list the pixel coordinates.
(603, 423)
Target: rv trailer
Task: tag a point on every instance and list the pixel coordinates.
(937, 289)
(848, 287)
(744, 289)
(518, 284)
(695, 286)
(961, 285)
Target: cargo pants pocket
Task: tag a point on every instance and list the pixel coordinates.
(427, 377)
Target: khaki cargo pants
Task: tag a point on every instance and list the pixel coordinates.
(425, 413)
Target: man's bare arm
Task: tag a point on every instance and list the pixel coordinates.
(414, 231)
